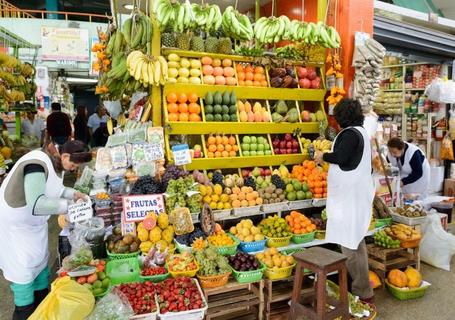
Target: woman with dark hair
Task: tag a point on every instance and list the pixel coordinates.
(413, 165)
(350, 193)
(31, 192)
(81, 131)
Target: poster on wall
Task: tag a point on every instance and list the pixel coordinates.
(65, 44)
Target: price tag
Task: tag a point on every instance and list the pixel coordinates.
(181, 153)
(80, 211)
(128, 228)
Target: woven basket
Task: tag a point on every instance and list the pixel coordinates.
(278, 242)
(118, 256)
(408, 293)
(229, 250)
(279, 273)
(189, 273)
(409, 244)
(303, 238)
(214, 281)
(248, 276)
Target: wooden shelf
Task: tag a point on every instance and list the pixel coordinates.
(391, 90)
(256, 93)
(241, 127)
(414, 89)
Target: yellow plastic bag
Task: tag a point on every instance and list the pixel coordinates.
(67, 300)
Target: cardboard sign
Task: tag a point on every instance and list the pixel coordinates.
(136, 208)
(181, 153)
(80, 211)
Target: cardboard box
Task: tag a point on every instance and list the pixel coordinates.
(449, 187)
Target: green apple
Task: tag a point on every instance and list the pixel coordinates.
(246, 139)
(253, 153)
(268, 152)
(246, 153)
(260, 152)
(254, 139)
(245, 147)
(253, 147)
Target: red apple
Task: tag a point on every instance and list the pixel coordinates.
(245, 173)
(282, 144)
(197, 153)
(302, 72)
(268, 172)
(276, 143)
(295, 150)
(289, 151)
(312, 75)
(295, 144)
(305, 115)
(315, 83)
(304, 83)
(276, 151)
(289, 145)
(283, 151)
(287, 137)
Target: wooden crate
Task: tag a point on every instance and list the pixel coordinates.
(381, 260)
(277, 294)
(235, 297)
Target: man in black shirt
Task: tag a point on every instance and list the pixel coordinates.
(58, 125)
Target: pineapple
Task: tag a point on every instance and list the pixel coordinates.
(183, 41)
(197, 43)
(225, 46)
(211, 44)
(168, 38)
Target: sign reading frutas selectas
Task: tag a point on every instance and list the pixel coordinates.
(136, 208)
(80, 211)
(64, 44)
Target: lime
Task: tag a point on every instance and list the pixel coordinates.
(97, 284)
(101, 275)
(106, 282)
(98, 291)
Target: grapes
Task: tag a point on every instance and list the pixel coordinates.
(147, 185)
(172, 173)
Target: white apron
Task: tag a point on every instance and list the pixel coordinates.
(23, 236)
(421, 185)
(349, 199)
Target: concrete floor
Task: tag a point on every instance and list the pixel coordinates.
(438, 303)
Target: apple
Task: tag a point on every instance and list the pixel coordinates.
(268, 153)
(312, 75)
(267, 146)
(253, 153)
(295, 150)
(289, 145)
(283, 151)
(262, 172)
(288, 150)
(313, 117)
(315, 83)
(260, 152)
(304, 83)
(282, 144)
(245, 172)
(287, 137)
(245, 147)
(305, 116)
(275, 143)
(246, 153)
(295, 144)
(254, 139)
(197, 154)
(253, 147)
(260, 147)
(267, 172)
(246, 139)
(302, 72)
(276, 150)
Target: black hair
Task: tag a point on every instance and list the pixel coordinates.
(56, 106)
(396, 143)
(348, 112)
(78, 151)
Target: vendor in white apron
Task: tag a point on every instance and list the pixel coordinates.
(350, 193)
(413, 165)
(31, 192)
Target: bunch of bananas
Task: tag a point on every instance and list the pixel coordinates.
(9, 78)
(119, 70)
(207, 17)
(179, 16)
(137, 30)
(11, 95)
(236, 25)
(116, 43)
(8, 61)
(272, 29)
(27, 70)
(314, 34)
(322, 145)
(147, 70)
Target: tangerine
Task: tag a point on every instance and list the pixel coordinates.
(172, 107)
(183, 108)
(217, 154)
(182, 98)
(172, 97)
(219, 139)
(259, 69)
(194, 108)
(232, 153)
(212, 148)
(192, 97)
(184, 117)
(194, 117)
(210, 154)
(220, 147)
(173, 117)
(232, 140)
(211, 140)
(225, 154)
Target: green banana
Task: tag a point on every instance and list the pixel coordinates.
(137, 34)
(127, 30)
(110, 44)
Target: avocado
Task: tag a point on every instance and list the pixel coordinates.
(233, 109)
(225, 109)
(233, 98)
(233, 118)
(209, 117)
(208, 108)
(208, 98)
(217, 109)
(218, 117)
(226, 98)
(217, 98)
(226, 117)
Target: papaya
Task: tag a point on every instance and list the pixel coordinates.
(374, 279)
(397, 278)
(414, 277)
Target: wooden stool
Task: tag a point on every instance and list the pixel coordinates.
(322, 262)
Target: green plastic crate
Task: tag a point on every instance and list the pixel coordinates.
(131, 276)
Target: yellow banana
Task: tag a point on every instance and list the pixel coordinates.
(110, 126)
(157, 75)
(144, 73)
(151, 72)
(164, 70)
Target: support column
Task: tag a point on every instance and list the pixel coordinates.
(51, 5)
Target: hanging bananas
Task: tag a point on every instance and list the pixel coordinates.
(236, 25)
(179, 16)
(147, 70)
(137, 31)
(272, 29)
(208, 17)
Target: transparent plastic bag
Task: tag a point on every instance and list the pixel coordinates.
(113, 306)
(446, 152)
(67, 300)
(181, 218)
(81, 253)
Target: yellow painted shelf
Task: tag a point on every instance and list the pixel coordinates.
(240, 127)
(249, 92)
(243, 162)
(195, 54)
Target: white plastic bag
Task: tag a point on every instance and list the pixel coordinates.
(437, 246)
(441, 91)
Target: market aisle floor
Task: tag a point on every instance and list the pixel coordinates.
(438, 304)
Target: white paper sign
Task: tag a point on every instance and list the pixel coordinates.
(181, 153)
(136, 208)
(80, 211)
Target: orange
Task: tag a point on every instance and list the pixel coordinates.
(232, 153)
(257, 77)
(194, 108)
(249, 68)
(192, 97)
(184, 117)
(173, 117)
(228, 147)
(194, 117)
(219, 139)
(248, 83)
(183, 98)
(235, 148)
(264, 83)
(210, 154)
(225, 154)
(172, 108)
(232, 140)
(256, 83)
(183, 108)
(217, 154)
(211, 140)
(241, 75)
(241, 83)
(172, 97)
(212, 148)
(220, 147)
(239, 67)
(259, 69)
(225, 140)
(249, 76)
